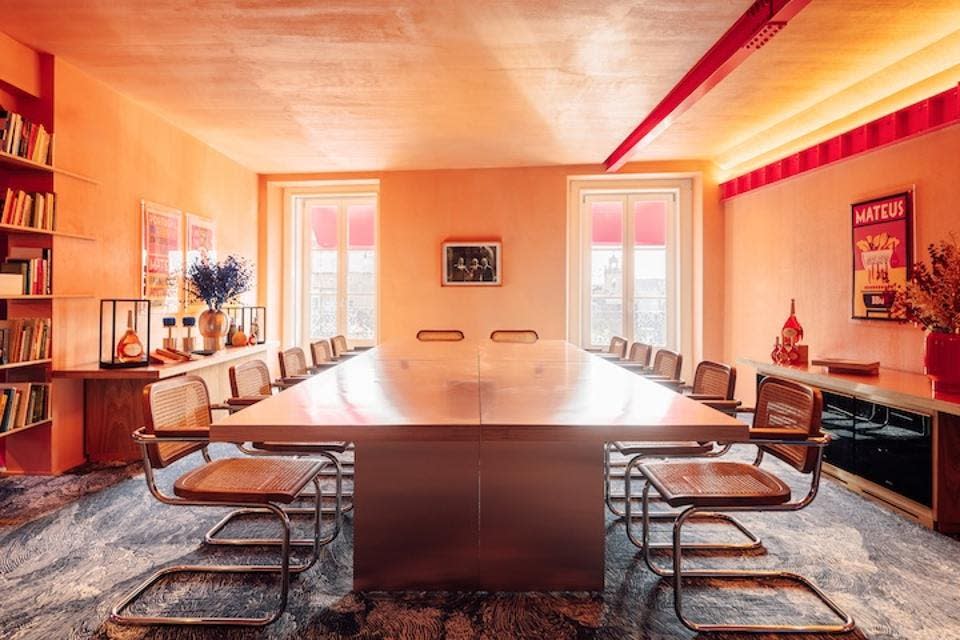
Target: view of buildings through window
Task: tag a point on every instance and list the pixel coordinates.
(342, 262)
(629, 292)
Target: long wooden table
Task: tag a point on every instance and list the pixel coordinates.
(479, 466)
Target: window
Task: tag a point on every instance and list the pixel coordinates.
(629, 267)
(337, 267)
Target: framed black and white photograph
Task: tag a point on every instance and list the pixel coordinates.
(472, 264)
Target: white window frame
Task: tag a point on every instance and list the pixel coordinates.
(627, 200)
(689, 189)
(296, 241)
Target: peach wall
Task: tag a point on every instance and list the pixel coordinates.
(792, 240)
(525, 207)
(134, 154)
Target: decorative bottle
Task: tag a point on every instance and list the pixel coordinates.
(129, 349)
(777, 354)
(792, 332)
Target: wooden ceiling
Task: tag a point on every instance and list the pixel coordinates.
(302, 85)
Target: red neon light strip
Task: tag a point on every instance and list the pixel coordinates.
(935, 112)
(752, 30)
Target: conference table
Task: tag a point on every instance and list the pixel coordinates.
(478, 465)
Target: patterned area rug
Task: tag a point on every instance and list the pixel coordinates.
(62, 569)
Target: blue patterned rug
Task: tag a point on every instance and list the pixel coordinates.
(72, 545)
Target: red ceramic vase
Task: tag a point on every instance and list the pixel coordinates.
(942, 361)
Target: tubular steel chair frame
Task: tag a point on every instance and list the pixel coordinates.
(517, 336)
(440, 335)
(678, 575)
(147, 439)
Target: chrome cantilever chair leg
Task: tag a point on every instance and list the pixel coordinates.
(753, 542)
(679, 575)
(318, 495)
(284, 569)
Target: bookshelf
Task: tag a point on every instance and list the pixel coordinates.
(46, 435)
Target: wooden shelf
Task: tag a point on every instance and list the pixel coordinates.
(10, 160)
(25, 363)
(25, 428)
(56, 296)
(13, 228)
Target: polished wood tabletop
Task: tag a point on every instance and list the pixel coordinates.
(410, 390)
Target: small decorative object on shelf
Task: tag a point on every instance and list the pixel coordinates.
(777, 355)
(255, 321)
(122, 323)
(231, 330)
(169, 342)
(239, 338)
(189, 322)
(217, 284)
(790, 337)
(931, 300)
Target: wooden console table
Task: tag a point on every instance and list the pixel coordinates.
(890, 431)
(113, 405)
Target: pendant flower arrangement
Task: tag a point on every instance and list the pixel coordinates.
(219, 283)
(932, 297)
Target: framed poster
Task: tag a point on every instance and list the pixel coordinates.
(162, 255)
(472, 263)
(200, 238)
(882, 253)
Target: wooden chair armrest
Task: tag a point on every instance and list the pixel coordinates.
(362, 348)
(726, 406)
(707, 396)
(635, 367)
(323, 366)
(777, 433)
(676, 385)
(244, 401)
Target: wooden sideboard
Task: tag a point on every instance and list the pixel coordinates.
(113, 398)
(894, 439)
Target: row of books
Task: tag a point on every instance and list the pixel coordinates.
(20, 137)
(24, 339)
(23, 404)
(36, 210)
(25, 271)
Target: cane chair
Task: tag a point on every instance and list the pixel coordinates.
(293, 367)
(439, 335)
(616, 350)
(340, 349)
(714, 385)
(177, 420)
(249, 384)
(322, 355)
(525, 336)
(640, 354)
(787, 426)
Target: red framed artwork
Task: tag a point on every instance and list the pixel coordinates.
(882, 253)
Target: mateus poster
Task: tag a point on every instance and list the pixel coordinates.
(882, 253)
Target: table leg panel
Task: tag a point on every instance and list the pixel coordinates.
(415, 519)
(542, 519)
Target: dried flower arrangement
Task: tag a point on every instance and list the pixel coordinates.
(218, 283)
(932, 297)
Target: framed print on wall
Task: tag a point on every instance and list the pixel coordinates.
(162, 254)
(882, 253)
(476, 263)
(200, 238)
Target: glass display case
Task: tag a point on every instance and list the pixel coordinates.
(124, 333)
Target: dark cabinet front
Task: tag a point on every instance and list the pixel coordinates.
(894, 449)
(888, 446)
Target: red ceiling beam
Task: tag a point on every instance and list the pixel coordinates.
(763, 20)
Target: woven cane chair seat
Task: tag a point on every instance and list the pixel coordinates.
(257, 480)
(715, 483)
